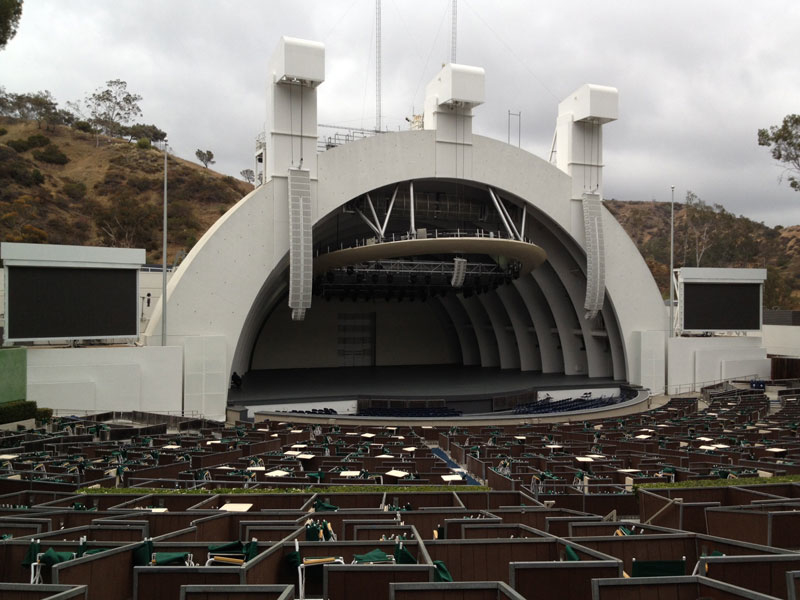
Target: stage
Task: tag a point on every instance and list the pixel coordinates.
(463, 388)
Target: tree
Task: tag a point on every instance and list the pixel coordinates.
(139, 131)
(248, 175)
(777, 291)
(6, 103)
(113, 107)
(10, 13)
(701, 226)
(128, 223)
(206, 157)
(41, 107)
(784, 144)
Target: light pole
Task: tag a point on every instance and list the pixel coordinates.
(671, 262)
(164, 258)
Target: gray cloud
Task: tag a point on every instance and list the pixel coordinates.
(696, 79)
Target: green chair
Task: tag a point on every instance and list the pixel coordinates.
(232, 553)
(440, 572)
(402, 556)
(49, 558)
(170, 559)
(376, 556)
(142, 554)
(293, 559)
(322, 506)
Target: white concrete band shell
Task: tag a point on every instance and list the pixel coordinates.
(592, 308)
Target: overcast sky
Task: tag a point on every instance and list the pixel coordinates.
(696, 78)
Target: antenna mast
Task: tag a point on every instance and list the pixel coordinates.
(454, 14)
(377, 65)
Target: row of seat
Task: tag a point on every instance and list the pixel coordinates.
(568, 404)
(409, 412)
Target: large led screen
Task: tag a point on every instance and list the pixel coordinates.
(721, 306)
(69, 303)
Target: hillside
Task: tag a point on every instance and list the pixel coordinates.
(107, 192)
(709, 236)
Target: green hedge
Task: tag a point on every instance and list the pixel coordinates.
(363, 489)
(44, 414)
(17, 411)
(696, 483)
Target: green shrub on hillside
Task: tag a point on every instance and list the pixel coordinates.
(113, 180)
(142, 184)
(75, 190)
(38, 141)
(143, 143)
(15, 168)
(83, 126)
(18, 145)
(33, 235)
(51, 154)
(33, 141)
(3, 131)
(19, 173)
(129, 222)
(198, 188)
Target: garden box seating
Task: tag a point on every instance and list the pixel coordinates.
(656, 588)
(765, 574)
(231, 553)
(240, 592)
(48, 558)
(658, 568)
(43, 591)
(469, 590)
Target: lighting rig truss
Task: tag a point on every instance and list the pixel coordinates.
(410, 279)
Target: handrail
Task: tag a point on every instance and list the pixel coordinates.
(697, 386)
(97, 411)
(663, 508)
(434, 234)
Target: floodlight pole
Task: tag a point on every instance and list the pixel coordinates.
(164, 258)
(671, 261)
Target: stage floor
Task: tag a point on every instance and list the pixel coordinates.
(451, 382)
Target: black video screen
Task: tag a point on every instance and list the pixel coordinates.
(721, 306)
(71, 303)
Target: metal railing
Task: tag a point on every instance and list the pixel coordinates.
(697, 386)
(429, 234)
(88, 412)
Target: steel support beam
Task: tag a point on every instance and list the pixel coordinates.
(501, 213)
(411, 203)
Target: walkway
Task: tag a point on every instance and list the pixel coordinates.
(454, 465)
